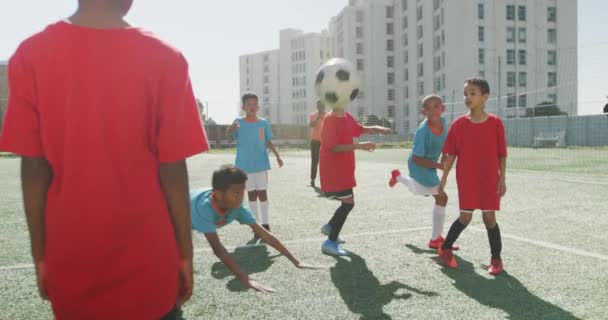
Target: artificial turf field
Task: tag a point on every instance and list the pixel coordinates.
(555, 247)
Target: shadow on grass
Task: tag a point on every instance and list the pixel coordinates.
(252, 259)
(504, 292)
(362, 291)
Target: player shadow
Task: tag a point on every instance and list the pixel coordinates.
(504, 292)
(251, 259)
(362, 291)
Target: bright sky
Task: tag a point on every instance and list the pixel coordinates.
(212, 34)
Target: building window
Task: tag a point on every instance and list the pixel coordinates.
(435, 4)
(390, 45)
(523, 101)
(510, 12)
(521, 13)
(481, 56)
(510, 56)
(420, 50)
(359, 32)
(420, 88)
(510, 34)
(265, 79)
(359, 16)
(389, 28)
(266, 90)
(360, 112)
(523, 79)
(436, 63)
(552, 36)
(404, 4)
(420, 69)
(390, 94)
(511, 101)
(480, 11)
(482, 74)
(407, 92)
(437, 43)
(359, 46)
(360, 64)
(551, 57)
(405, 42)
(552, 79)
(522, 35)
(480, 34)
(522, 57)
(390, 78)
(419, 31)
(391, 111)
(437, 84)
(552, 14)
(265, 68)
(390, 12)
(390, 61)
(436, 22)
(406, 57)
(419, 13)
(510, 79)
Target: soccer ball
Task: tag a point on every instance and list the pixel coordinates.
(337, 83)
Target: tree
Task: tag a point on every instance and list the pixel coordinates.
(544, 109)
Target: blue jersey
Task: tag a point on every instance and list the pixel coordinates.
(251, 150)
(426, 145)
(207, 218)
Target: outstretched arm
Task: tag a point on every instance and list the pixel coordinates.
(376, 130)
(275, 243)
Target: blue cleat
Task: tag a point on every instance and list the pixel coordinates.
(326, 230)
(332, 248)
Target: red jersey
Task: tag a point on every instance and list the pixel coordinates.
(337, 170)
(105, 107)
(478, 147)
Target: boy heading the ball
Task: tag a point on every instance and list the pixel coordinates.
(337, 168)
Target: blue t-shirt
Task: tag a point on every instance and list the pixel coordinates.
(426, 145)
(207, 219)
(251, 150)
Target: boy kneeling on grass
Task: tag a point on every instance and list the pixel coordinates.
(212, 209)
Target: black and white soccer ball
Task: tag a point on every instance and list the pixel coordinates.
(337, 83)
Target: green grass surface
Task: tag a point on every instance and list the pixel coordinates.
(555, 247)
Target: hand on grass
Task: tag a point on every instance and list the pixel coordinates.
(258, 286)
(303, 265)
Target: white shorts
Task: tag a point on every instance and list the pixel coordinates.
(418, 189)
(257, 181)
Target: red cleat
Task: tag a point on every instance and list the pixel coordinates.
(437, 243)
(448, 258)
(496, 267)
(393, 181)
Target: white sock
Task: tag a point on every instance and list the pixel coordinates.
(402, 179)
(264, 208)
(254, 207)
(438, 221)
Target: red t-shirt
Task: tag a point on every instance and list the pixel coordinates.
(478, 147)
(337, 170)
(105, 108)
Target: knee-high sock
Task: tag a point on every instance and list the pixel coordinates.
(254, 207)
(438, 221)
(495, 242)
(264, 212)
(337, 221)
(453, 234)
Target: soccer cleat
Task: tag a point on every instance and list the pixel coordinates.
(326, 230)
(437, 243)
(332, 248)
(447, 257)
(496, 267)
(393, 181)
